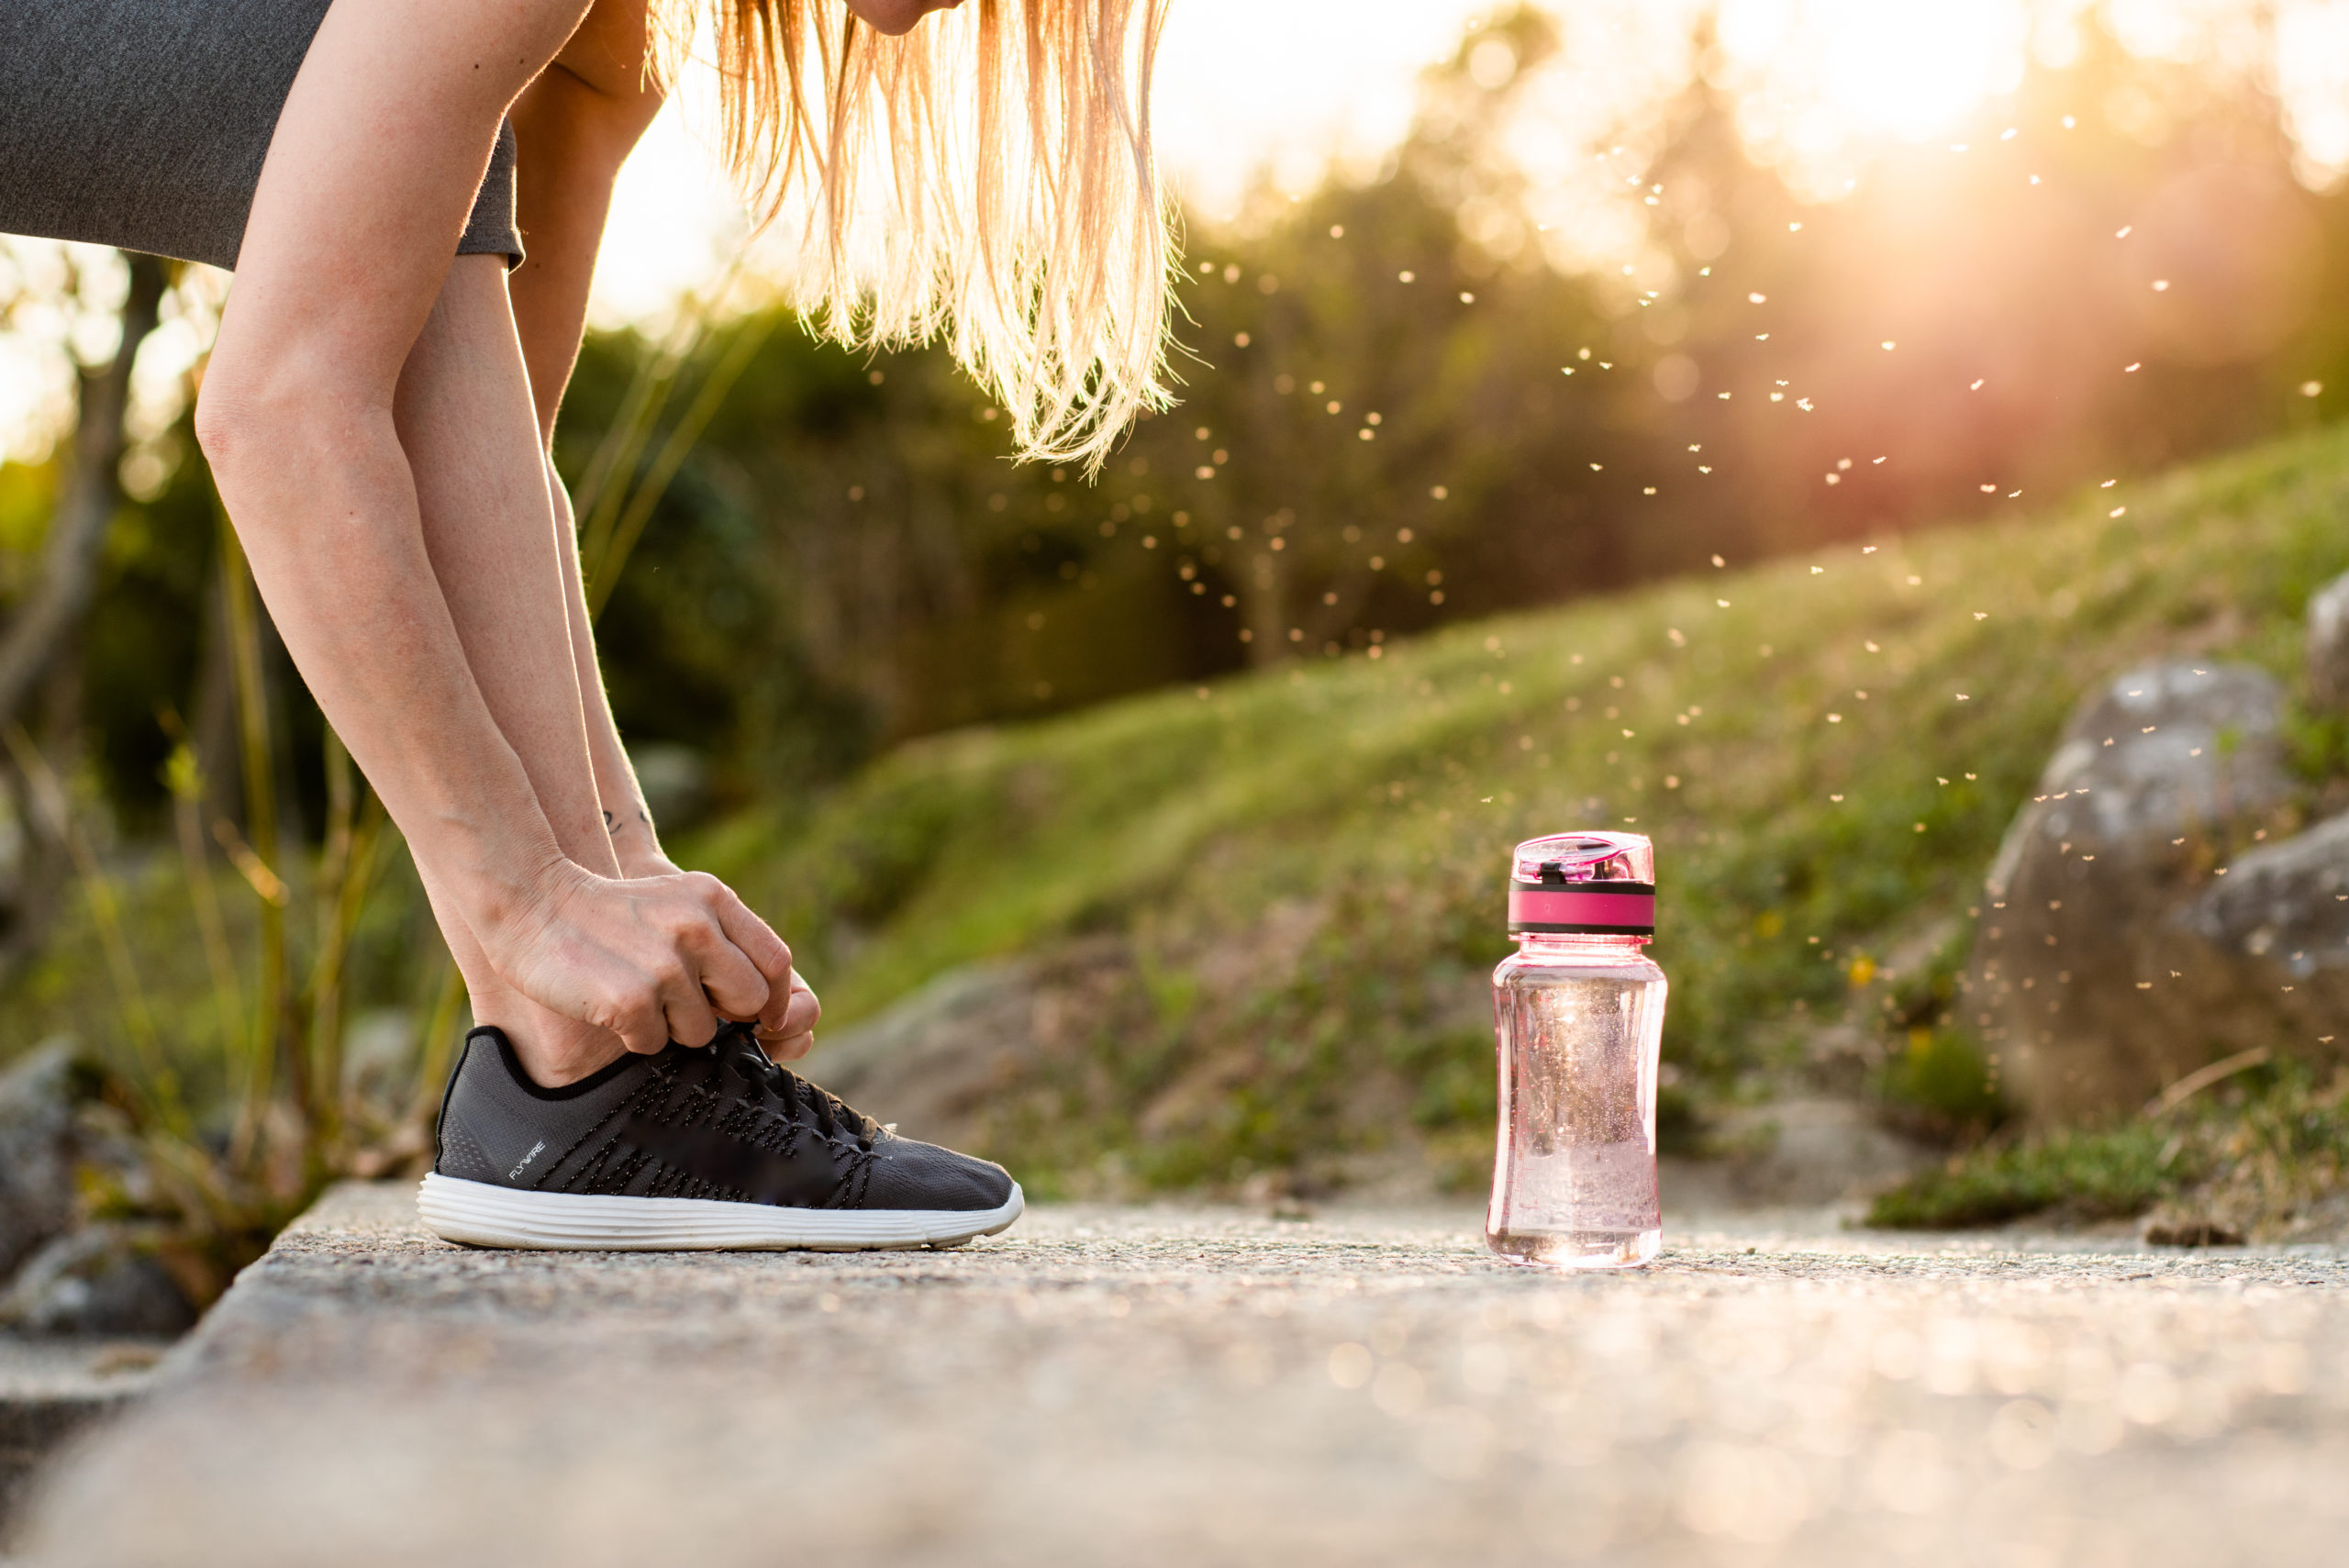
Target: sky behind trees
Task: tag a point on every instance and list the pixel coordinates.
(1269, 98)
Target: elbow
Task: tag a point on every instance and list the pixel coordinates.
(261, 405)
(227, 425)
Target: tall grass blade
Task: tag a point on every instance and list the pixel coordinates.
(184, 775)
(440, 1038)
(273, 1009)
(689, 430)
(603, 490)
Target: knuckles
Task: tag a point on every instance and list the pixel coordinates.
(640, 983)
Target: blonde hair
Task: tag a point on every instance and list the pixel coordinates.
(987, 177)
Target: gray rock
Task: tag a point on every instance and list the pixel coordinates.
(2287, 903)
(101, 1280)
(2276, 926)
(2083, 985)
(928, 1062)
(1798, 1152)
(41, 1098)
(2328, 646)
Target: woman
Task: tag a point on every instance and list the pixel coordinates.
(377, 419)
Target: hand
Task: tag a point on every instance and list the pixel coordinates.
(786, 1035)
(652, 959)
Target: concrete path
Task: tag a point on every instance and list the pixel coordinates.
(1139, 1387)
(50, 1389)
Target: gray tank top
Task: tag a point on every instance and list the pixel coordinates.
(143, 124)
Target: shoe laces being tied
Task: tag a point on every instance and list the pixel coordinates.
(802, 1101)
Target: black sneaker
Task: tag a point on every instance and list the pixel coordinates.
(711, 1147)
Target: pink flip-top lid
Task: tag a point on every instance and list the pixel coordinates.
(1584, 885)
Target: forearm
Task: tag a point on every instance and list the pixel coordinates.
(328, 519)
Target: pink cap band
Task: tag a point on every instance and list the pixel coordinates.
(1633, 913)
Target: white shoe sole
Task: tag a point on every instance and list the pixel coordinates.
(479, 1214)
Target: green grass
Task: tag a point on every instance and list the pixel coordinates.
(2105, 1174)
(1304, 866)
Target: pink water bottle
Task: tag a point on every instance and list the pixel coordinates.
(1579, 1012)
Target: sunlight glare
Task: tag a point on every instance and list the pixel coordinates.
(1916, 69)
(1818, 73)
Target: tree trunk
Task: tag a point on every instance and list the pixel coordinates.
(52, 614)
(1263, 599)
(45, 863)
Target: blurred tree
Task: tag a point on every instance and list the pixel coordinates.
(43, 624)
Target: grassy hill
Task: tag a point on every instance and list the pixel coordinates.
(1273, 898)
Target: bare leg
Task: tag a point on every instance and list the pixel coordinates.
(634, 839)
(464, 418)
(376, 160)
(577, 122)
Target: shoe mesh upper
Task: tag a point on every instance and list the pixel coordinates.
(906, 1174)
(719, 1122)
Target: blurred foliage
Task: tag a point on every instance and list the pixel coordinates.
(236, 1089)
(1389, 425)
(1942, 1078)
(844, 558)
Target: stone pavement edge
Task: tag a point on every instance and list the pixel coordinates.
(1144, 1386)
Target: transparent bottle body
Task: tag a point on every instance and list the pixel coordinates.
(1579, 1022)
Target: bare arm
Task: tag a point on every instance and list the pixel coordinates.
(368, 178)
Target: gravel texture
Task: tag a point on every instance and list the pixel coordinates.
(1201, 1386)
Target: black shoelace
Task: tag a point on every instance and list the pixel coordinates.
(801, 1101)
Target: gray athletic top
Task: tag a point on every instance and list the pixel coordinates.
(143, 123)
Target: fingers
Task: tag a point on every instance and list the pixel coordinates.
(717, 970)
(795, 1034)
(751, 936)
(689, 1017)
(634, 1013)
(726, 962)
(803, 1010)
